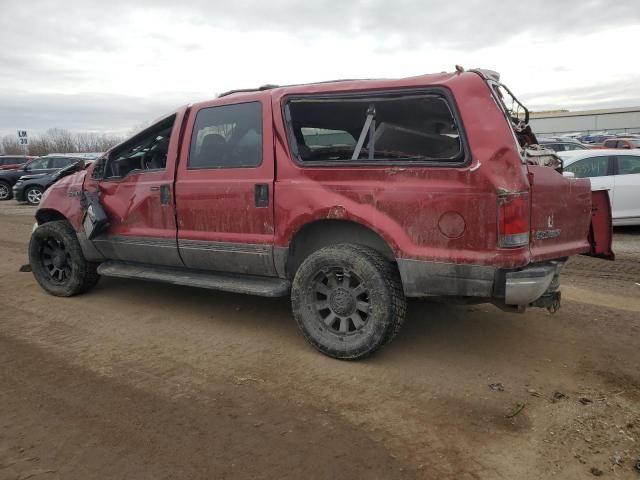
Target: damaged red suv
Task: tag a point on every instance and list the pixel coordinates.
(350, 196)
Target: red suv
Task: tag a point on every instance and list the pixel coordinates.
(350, 196)
(624, 143)
(9, 162)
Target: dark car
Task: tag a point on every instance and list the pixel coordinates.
(29, 188)
(8, 162)
(37, 166)
(562, 144)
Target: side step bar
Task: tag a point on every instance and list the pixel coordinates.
(248, 284)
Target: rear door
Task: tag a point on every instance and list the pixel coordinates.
(224, 187)
(626, 200)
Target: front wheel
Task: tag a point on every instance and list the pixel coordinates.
(34, 195)
(348, 300)
(57, 261)
(5, 191)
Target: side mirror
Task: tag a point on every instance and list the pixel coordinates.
(627, 147)
(568, 174)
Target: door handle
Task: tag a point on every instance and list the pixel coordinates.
(262, 195)
(165, 193)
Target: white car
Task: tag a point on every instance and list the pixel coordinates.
(615, 170)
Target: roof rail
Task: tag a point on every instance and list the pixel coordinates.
(269, 86)
(247, 90)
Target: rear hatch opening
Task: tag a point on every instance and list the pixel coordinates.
(566, 218)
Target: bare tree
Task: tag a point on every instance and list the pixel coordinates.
(59, 140)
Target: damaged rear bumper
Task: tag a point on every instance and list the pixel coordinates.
(534, 285)
(525, 286)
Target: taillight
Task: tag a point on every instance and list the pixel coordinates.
(513, 220)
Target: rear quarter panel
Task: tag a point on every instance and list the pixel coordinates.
(442, 214)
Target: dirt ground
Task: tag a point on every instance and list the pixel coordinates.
(141, 380)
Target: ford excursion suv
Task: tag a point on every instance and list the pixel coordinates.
(349, 196)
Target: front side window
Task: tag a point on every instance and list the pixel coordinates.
(39, 164)
(610, 144)
(228, 136)
(145, 151)
(589, 167)
(375, 128)
(628, 164)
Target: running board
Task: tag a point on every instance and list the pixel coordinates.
(248, 284)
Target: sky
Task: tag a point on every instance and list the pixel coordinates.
(111, 66)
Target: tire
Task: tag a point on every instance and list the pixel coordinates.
(57, 261)
(348, 301)
(5, 191)
(33, 195)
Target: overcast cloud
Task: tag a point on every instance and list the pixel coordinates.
(111, 65)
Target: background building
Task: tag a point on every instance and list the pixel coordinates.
(612, 120)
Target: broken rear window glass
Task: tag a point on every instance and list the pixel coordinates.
(407, 127)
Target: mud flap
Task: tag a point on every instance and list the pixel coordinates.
(601, 228)
(95, 219)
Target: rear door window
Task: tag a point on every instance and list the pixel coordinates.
(590, 167)
(60, 162)
(628, 164)
(228, 136)
(374, 128)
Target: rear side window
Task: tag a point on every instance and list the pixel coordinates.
(628, 164)
(590, 167)
(229, 136)
(375, 128)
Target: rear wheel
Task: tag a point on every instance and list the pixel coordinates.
(57, 261)
(348, 300)
(5, 191)
(34, 195)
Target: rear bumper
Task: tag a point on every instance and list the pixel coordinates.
(520, 287)
(524, 287)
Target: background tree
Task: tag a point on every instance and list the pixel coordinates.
(59, 140)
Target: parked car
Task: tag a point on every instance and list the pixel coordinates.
(615, 171)
(595, 139)
(424, 191)
(8, 162)
(29, 188)
(623, 143)
(560, 144)
(38, 166)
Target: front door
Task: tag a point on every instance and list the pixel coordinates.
(136, 191)
(224, 188)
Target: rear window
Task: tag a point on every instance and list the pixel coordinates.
(384, 127)
(628, 164)
(589, 167)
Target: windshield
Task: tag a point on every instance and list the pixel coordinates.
(635, 142)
